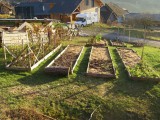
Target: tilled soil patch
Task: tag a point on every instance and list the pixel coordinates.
(100, 63)
(129, 57)
(69, 57)
(66, 61)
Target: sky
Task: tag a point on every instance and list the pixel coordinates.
(142, 6)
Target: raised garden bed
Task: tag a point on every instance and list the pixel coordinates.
(138, 44)
(97, 44)
(65, 62)
(21, 62)
(117, 43)
(135, 69)
(100, 63)
(24, 51)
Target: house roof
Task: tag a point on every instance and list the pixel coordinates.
(66, 6)
(60, 6)
(38, 7)
(118, 11)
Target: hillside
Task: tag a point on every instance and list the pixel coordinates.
(142, 6)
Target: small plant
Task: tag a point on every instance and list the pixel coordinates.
(98, 37)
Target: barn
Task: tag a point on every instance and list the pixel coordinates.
(64, 10)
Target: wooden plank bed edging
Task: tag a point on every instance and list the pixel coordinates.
(128, 73)
(35, 65)
(135, 77)
(77, 60)
(60, 69)
(98, 74)
(57, 57)
(46, 57)
(114, 70)
(17, 68)
(89, 60)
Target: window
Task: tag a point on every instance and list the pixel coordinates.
(92, 3)
(43, 8)
(87, 2)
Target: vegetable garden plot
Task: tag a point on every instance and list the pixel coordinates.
(22, 53)
(138, 44)
(135, 69)
(100, 63)
(97, 44)
(66, 61)
(117, 43)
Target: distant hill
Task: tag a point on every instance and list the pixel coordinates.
(140, 6)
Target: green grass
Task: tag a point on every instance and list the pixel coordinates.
(78, 96)
(151, 56)
(97, 28)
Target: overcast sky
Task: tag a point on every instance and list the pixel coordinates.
(143, 6)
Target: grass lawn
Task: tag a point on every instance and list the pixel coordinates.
(78, 96)
(97, 28)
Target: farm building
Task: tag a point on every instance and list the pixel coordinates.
(111, 12)
(29, 10)
(64, 10)
(6, 8)
(70, 8)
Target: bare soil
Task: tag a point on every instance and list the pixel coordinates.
(69, 57)
(25, 114)
(129, 57)
(100, 61)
